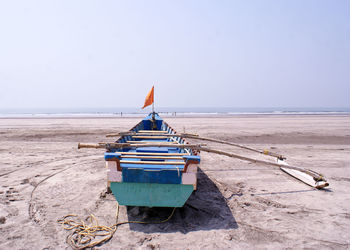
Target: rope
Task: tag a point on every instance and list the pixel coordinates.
(89, 235)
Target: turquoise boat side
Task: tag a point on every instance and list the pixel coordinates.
(151, 194)
(146, 176)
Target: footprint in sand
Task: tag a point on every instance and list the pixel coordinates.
(12, 195)
(24, 181)
(2, 220)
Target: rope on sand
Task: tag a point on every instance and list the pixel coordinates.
(84, 235)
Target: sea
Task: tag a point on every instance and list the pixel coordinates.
(166, 111)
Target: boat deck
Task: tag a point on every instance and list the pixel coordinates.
(152, 176)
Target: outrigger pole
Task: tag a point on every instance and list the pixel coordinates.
(197, 137)
(307, 176)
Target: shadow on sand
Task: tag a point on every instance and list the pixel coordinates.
(206, 209)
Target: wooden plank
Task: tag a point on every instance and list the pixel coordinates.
(149, 137)
(154, 162)
(153, 157)
(303, 176)
(152, 134)
(307, 179)
(114, 176)
(145, 153)
(189, 178)
(153, 131)
(114, 145)
(144, 134)
(152, 142)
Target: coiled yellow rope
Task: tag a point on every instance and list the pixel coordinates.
(83, 235)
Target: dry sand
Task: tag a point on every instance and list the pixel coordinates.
(43, 176)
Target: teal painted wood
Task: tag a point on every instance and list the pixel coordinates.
(151, 194)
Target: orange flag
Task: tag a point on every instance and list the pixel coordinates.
(149, 98)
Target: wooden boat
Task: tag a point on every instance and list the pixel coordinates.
(151, 165)
(143, 175)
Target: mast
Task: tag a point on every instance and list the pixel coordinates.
(153, 102)
(154, 124)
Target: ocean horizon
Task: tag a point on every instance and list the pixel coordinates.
(168, 111)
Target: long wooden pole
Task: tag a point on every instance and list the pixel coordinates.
(196, 137)
(244, 158)
(265, 152)
(202, 147)
(128, 145)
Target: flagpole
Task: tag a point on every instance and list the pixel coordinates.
(153, 102)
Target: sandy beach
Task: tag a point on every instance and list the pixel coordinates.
(238, 205)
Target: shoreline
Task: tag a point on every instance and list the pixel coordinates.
(116, 116)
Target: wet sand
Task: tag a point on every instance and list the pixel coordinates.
(43, 176)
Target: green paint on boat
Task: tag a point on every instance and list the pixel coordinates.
(151, 194)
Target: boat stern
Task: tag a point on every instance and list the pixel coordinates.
(152, 183)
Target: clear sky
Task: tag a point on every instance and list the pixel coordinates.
(69, 54)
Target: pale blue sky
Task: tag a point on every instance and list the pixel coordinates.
(75, 54)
